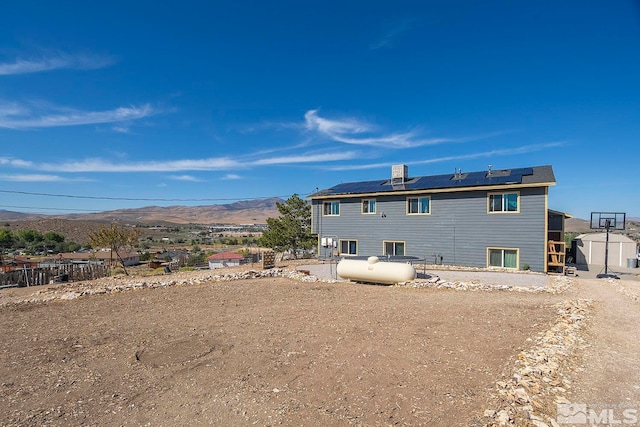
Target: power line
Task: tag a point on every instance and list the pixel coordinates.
(51, 209)
(136, 199)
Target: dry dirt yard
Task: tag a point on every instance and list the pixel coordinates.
(278, 351)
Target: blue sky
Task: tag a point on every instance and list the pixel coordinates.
(129, 104)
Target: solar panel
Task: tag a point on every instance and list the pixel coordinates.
(470, 179)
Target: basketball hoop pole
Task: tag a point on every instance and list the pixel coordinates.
(606, 248)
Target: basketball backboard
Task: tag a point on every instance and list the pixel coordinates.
(608, 220)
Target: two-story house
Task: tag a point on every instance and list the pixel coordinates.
(491, 218)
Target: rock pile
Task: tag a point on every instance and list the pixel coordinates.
(537, 383)
(558, 285)
(70, 291)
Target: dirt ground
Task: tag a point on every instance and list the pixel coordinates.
(277, 351)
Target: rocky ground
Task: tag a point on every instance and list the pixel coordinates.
(279, 347)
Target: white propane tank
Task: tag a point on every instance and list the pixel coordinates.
(374, 271)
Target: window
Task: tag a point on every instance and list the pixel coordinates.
(331, 208)
(503, 258)
(393, 248)
(418, 205)
(368, 206)
(504, 202)
(349, 247)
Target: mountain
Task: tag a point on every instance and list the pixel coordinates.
(576, 225)
(242, 212)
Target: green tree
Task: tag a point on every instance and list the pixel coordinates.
(115, 238)
(30, 236)
(291, 231)
(53, 237)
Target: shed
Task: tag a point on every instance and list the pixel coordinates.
(590, 249)
(224, 259)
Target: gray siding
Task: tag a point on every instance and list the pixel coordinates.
(459, 228)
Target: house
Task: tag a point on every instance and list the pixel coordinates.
(224, 259)
(490, 218)
(590, 249)
(18, 263)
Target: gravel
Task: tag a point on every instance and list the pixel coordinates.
(327, 271)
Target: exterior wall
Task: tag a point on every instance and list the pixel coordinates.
(459, 228)
(220, 263)
(591, 252)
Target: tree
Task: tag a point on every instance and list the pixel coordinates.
(291, 231)
(115, 238)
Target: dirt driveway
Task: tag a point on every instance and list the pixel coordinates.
(279, 351)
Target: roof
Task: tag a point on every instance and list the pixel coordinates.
(564, 214)
(102, 255)
(601, 237)
(542, 175)
(225, 255)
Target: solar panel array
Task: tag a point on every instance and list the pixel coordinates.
(470, 179)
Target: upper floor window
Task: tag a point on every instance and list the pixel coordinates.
(331, 208)
(504, 202)
(368, 206)
(418, 205)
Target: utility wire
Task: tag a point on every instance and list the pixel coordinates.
(135, 199)
(51, 209)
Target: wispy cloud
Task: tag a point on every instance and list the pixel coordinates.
(503, 152)
(101, 165)
(390, 36)
(121, 129)
(306, 158)
(350, 131)
(54, 61)
(185, 178)
(32, 178)
(16, 163)
(231, 177)
(16, 116)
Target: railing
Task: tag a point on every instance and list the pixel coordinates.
(46, 275)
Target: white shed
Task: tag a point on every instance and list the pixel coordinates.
(224, 259)
(590, 249)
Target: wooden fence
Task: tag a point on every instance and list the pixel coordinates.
(58, 274)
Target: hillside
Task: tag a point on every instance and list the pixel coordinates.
(243, 212)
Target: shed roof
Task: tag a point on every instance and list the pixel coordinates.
(542, 175)
(601, 237)
(225, 255)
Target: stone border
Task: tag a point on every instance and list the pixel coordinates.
(559, 285)
(537, 380)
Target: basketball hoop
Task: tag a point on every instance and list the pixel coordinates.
(607, 221)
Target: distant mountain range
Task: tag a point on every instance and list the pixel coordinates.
(242, 212)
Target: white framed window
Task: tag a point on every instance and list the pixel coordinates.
(349, 247)
(393, 248)
(419, 205)
(331, 208)
(503, 257)
(368, 206)
(503, 202)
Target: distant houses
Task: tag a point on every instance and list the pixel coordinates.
(96, 258)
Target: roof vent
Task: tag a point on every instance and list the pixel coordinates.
(399, 175)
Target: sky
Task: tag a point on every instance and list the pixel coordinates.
(111, 104)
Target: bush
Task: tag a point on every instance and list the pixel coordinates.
(526, 267)
(117, 271)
